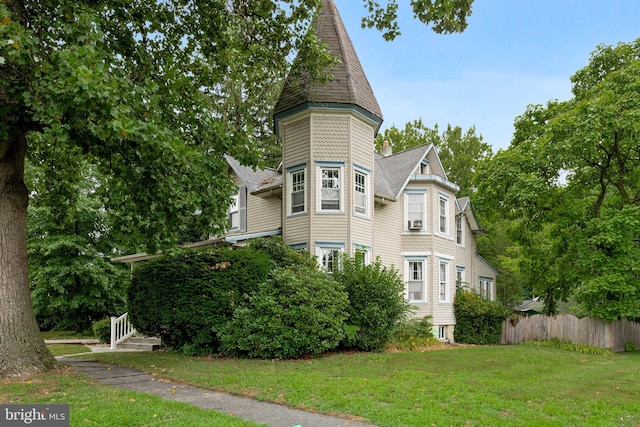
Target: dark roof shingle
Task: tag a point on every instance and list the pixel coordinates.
(349, 84)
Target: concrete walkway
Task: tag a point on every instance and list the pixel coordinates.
(270, 414)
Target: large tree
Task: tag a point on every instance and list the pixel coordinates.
(571, 182)
(151, 93)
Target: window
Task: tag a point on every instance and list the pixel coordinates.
(415, 211)
(459, 277)
(330, 197)
(444, 283)
(328, 254)
(415, 282)
(486, 286)
(296, 184)
(459, 230)
(361, 202)
(442, 332)
(234, 213)
(297, 192)
(443, 214)
(362, 254)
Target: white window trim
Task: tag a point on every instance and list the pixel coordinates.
(460, 273)
(234, 209)
(289, 197)
(445, 199)
(320, 166)
(365, 249)
(323, 247)
(442, 332)
(460, 220)
(423, 194)
(407, 276)
(488, 285)
(358, 170)
(444, 282)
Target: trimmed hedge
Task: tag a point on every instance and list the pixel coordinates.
(299, 311)
(478, 320)
(376, 306)
(186, 298)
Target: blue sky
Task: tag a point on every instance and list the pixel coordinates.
(513, 53)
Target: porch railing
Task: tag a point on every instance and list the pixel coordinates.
(121, 329)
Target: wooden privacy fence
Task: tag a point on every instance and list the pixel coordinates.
(565, 327)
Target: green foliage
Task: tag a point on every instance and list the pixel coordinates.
(102, 330)
(629, 346)
(567, 345)
(444, 16)
(569, 185)
(478, 320)
(413, 335)
(298, 311)
(281, 253)
(187, 298)
(72, 278)
(376, 302)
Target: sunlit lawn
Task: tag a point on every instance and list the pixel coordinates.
(476, 386)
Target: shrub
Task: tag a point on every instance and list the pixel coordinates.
(102, 330)
(413, 334)
(281, 253)
(186, 298)
(478, 320)
(376, 302)
(298, 311)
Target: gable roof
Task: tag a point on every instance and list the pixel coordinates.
(464, 206)
(255, 180)
(349, 85)
(394, 172)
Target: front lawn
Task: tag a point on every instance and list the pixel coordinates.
(95, 405)
(475, 386)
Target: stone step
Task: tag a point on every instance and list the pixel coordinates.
(141, 343)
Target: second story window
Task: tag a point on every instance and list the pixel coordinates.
(444, 207)
(234, 213)
(459, 240)
(415, 211)
(330, 194)
(297, 191)
(361, 193)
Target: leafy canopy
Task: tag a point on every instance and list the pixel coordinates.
(571, 182)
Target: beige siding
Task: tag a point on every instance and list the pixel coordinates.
(263, 214)
(295, 136)
(387, 229)
(297, 230)
(330, 137)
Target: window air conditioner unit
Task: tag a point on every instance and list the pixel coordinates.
(415, 224)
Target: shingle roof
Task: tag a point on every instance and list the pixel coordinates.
(392, 172)
(349, 84)
(260, 179)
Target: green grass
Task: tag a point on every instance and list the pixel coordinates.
(64, 349)
(476, 386)
(60, 335)
(94, 405)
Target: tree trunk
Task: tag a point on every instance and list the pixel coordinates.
(22, 349)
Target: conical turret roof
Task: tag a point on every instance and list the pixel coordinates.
(349, 85)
